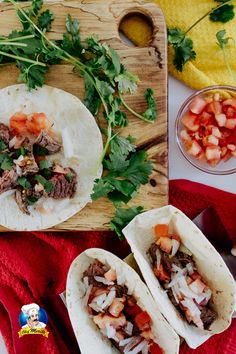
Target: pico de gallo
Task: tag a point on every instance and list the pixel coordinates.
(116, 313)
(209, 128)
(175, 268)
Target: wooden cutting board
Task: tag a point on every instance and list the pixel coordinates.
(102, 18)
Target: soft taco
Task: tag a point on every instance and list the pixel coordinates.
(188, 279)
(50, 146)
(111, 309)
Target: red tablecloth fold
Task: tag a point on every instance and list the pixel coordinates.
(34, 266)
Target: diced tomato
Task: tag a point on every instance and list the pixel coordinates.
(195, 275)
(143, 321)
(216, 132)
(161, 273)
(231, 147)
(230, 112)
(189, 120)
(184, 135)
(161, 230)
(230, 102)
(206, 118)
(116, 307)
(221, 119)
(18, 123)
(165, 244)
(210, 140)
(176, 237)
(155, 349)
(197, 105)
(230, 123)
(38, 123)
(214, 107)
(213, 153)
(193, 148)
(133, 310)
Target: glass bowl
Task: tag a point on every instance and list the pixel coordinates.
(223, 167)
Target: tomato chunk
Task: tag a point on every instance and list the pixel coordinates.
(161, 230)
(143, 321)
(161, 273)
(133, 310)
(154, 348)
(190, 122)
(197, 105)
(17, 123)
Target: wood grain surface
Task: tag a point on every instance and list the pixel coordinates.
(102, 18)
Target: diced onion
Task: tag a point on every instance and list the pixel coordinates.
(12, 142)
(200, 298)
(175, 277)
(19, 160)
(184, 289)
(67, 143)
(110, 297)
(190, 269)
(129, 328)
(138, 348)
(87, 294)
(175, 247)
(131, 344)
(158, 258)
(103, 280)
(191, 306)
(110, 331)
(86, 282)
(175, 294)
(97, 302)
(145, 349)
(18, 170)
(178, 269)
(123, 342)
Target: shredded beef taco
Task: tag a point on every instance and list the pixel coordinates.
(50, 147)
(188, 279)
(111, 309)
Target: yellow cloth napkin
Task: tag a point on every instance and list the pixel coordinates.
(209, 67)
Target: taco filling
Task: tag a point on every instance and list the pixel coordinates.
(24, 165)
(174, 266)
(116, 312)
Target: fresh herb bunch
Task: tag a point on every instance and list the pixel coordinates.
(106, 81)
(183, 45)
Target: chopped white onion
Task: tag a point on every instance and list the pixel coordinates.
(190, 269)
(175, 293)
(123, 342)
(200, 298)
(129, 328)
(120, 278)
(12, 142)
(110, 297)
(184, 289)
(145, 349)
(87, 294)
(19, 160)
(138, 348)
(103, 280)
(110, 331)
(131, 344)
(191, 306)
(158, 257)
(86, 282)
(175, 247)
(97, 302)
(67, 143)
(18, 170)
(175, 277)
(175, 268)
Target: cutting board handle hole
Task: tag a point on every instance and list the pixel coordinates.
(136, 29)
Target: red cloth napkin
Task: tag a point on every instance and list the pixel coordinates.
(34, 266)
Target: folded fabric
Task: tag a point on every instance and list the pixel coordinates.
(209, 67)
(34, 266)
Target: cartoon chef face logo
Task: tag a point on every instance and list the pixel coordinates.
(33, 320)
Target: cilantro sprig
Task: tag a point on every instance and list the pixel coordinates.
(48, 186)
(122, 217)
(183, 45)
(222, 42)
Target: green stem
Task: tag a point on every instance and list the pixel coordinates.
(228, 66)
(207, 14)
(136, 114)
(13, 44)
(22, 59)
(17, 38)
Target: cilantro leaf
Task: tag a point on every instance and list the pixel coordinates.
(31, 200)
(48, 186)
(39, 150)
(23, 182)
(32, 75)
(69, 177)
(20, 152)
(151, 112)
(122, 146)
(91, 100)
(71, 39)
(116, 162)
(101, 188)
(127, 82)
(45, 20)
(139, 168)
(222, 14)
(36, 6)
(45, 164)
(183, 48)
(122, 217)
(2, 145)
(6, 162)
(222, 42)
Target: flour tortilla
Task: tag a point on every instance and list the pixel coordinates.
(139, 234)
(64, 111)
(87, 334)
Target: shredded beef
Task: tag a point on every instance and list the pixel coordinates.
(121, 290)
(44, 140)
(184, 258)
(207, 316)
(4, 133)
(152, 251)
(21, 196)
(8, 180)
(62, 188)
(30, 166)
(95, 269)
